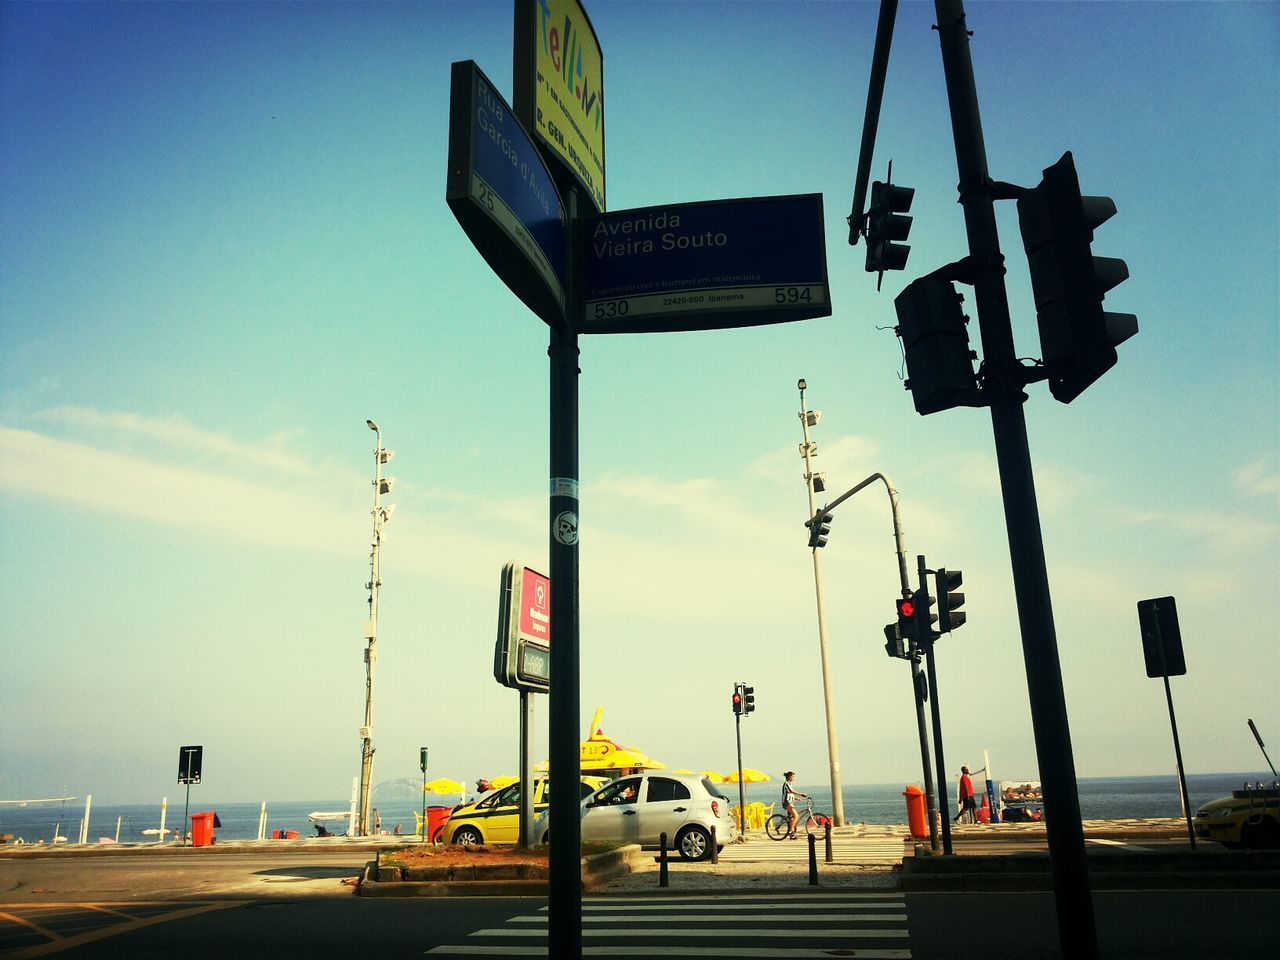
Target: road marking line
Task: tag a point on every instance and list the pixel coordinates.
(33, 927)
(731, 952)
(787, 917)
(66, 943)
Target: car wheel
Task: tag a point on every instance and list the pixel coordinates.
(468, 837)
(694, 843)
(1264, 833)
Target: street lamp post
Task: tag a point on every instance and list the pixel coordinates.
(381, 485)
(808, 449)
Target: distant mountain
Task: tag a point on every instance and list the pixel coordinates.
(406, 791)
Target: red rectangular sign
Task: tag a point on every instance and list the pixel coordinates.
(535, 607)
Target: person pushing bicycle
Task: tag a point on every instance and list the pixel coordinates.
(789, 794)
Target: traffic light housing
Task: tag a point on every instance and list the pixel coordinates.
(935, 342)
(893, 642)
(1078, 339)
(819, 526)
(887, 225)
(906, 625)
(748, 699)
(950, 616)
(737, 698)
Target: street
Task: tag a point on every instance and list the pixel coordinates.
(260, 904)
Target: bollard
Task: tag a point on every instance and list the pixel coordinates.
(813, 860)
(830, 858)
(715, 847)
(662, 859)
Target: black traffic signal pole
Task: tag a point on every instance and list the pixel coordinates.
(912, 647)
(564, 902)
(871, 120)
(924, 633)
(1077, 931)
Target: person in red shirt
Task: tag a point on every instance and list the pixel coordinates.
(968, 803)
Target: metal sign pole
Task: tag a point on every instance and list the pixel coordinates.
(564, 903)
(525, 771)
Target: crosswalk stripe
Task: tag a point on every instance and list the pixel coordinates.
(702, 953)
(852, 932)
(871, 925)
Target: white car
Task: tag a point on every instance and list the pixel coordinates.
(690, 810)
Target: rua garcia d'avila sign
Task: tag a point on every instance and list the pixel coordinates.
(704, 266)
(503, 195)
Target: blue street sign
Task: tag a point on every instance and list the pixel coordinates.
(503, 195)
(703, 266)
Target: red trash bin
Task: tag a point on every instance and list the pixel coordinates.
(202, 825)
(437, 817)
(916, 817)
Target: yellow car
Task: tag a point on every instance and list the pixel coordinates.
(1248, 818)
(496, 818)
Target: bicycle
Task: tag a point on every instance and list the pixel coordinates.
(778, 827)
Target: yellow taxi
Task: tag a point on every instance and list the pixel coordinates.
(495, 818)
(1248, 818)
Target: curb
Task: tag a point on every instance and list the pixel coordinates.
(597, 871)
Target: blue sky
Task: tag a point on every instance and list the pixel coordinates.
(224, 245)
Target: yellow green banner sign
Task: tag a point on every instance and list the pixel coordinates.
(559, 89)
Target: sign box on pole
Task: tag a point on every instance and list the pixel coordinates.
(704, 266)
(503, 195)
(1161, 637)
(522, 655)
(559, 90)
(189, 762)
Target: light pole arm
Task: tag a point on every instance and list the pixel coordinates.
(897, 522)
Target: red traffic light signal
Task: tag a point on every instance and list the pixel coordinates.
(906, 609)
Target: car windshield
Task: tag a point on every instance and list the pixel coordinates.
(507, 796)
(620, 791)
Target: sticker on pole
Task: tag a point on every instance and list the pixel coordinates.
(565, 528)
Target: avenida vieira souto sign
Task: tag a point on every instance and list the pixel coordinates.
(703, 266)
(503, 194)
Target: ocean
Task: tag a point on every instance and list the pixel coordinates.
(1101, 798)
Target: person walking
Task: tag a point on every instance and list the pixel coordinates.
(968, 803)
(789, 795)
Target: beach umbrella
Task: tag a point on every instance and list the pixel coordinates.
(713, 776)
(684, 770)
(748, 776)
(499, 782)
(444, 785)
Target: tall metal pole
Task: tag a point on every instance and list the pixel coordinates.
(742, 790)
(1077, 930)
(925, 632)
(833, 745)
(917, 690)
(564, 902)
(364, 827)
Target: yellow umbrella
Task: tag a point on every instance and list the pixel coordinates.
(748, 776)
(684, 770)
(443, 785)
(499, 782)
(713, 776)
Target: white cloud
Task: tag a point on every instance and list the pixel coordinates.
(180, 433)
(1256, 479)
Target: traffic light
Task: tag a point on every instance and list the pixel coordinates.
(950, 616)
(819, 526)
(906, 625)
(737, 698)
(935, 342)
(748, 699)
(1078, 339)
(893, 643)
(886, 225)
